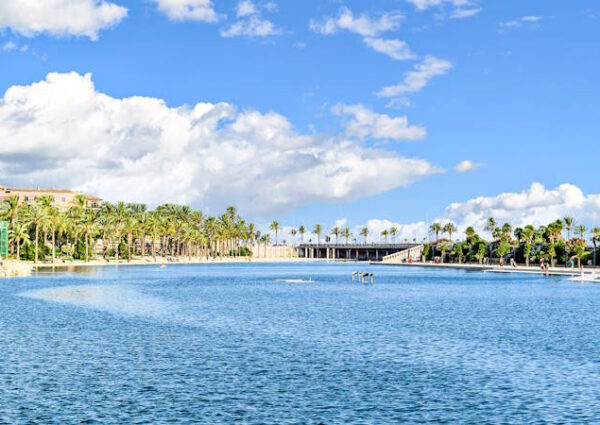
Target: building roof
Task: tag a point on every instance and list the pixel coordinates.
(52, 190)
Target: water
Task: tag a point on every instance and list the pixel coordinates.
(239, 344)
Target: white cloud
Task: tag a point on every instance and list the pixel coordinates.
(459, 8)
(188, 10)
(60, 17)
(62, 132)
(251, 23)
(9, 46)
(369, 28)
(341, 222)
(396, 49)
(537, 205)
(466, 166)
(252, 27)
(363, 24)
(531, 21)
(245, 8)
(419, 78)
(366, 123)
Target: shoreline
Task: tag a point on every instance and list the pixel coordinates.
(590, 275)
(160, 261)
(520, 269)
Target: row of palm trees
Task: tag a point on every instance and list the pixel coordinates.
(560, 241)
(336, 232)
(41, 231)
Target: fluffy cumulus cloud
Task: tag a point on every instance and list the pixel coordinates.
(370, 28)
(418, 78)
(62, 132)
(60, 17)
(250, 22)
(458, 8)
(537, 205)
(364, 123)
(188, 10)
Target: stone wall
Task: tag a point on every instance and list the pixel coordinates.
(10, 268)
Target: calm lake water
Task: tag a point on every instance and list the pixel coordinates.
(235, 344)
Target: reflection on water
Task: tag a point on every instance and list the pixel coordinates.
(111, 298)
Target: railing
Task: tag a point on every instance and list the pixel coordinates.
(404, 255)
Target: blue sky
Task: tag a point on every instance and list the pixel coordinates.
(520, 99)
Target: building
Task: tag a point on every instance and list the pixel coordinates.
(62, 198)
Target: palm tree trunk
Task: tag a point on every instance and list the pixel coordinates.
(86, 248)
(129, 238)
(37, 234)
(153, 249)
(53, 246)
(143, 236)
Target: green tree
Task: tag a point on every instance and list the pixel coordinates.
(19, 235)
(37, 215)
(365, 233)
(318, 231)
(569, 223)
(436, 228)
(274, 226)
(449, 228)
(302, 231)
(394, 233)
(336, 232)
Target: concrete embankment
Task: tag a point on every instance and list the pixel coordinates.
(14, 269)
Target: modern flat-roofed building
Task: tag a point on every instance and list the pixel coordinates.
(62, 198)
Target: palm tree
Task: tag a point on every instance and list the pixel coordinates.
(130, 226)
(118, 217)
(18, 234)
(527, 235)
(302, 231)
(385, 233)
(394, 233)
(490, 226)
(581, 229)
(336, 231)
(318, 230)
(37, 216)
(365, 232)
(275, 227)
(347, 234)
(569, 223)
(436, 228)
(55, 222)
(449, 228)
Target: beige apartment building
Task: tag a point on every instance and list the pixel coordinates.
(62, 198)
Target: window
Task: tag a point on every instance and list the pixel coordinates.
(63, 199)
(26, 198)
